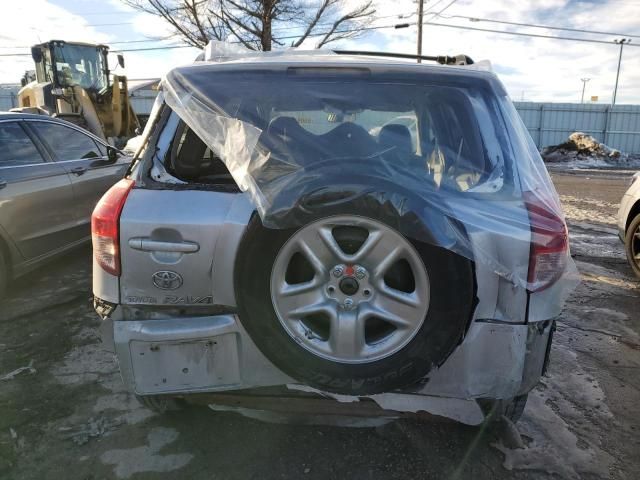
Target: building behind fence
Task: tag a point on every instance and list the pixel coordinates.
(548, 123)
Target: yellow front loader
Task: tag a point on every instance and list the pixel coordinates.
(73, 82)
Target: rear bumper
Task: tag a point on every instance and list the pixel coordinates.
(190, 355)
(215, 354)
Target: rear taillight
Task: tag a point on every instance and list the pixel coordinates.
(549, 243)
(105, 228)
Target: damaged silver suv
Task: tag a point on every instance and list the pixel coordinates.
(334, 226)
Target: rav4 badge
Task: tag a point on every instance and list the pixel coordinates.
(167, 280)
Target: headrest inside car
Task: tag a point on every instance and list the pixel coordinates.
(395, 135)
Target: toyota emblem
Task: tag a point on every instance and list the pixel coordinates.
(167, 280)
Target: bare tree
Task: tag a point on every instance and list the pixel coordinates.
(261, 24)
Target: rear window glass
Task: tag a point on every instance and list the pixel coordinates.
(320, 122)
(191, 160)
(452, 135)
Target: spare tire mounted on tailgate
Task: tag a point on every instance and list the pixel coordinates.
(346, 303)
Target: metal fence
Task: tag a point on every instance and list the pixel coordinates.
(548, 123)
(552, 123)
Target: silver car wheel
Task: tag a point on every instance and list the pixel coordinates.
(350, 289)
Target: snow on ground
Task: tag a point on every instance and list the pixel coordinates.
(147, 458)
(565, 416)
(588, 210)
(554, 410)
(582, 151)
(595, 347)
(572, 162)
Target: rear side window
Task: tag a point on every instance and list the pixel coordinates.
(66, 143)
(16, 148)
(191, 160)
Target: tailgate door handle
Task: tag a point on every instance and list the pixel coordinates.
(148, 245)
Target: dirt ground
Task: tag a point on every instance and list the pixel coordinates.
(67, 415)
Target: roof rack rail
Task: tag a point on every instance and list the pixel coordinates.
(441, 59)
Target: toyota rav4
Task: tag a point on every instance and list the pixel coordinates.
(335, 225)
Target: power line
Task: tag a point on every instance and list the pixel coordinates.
(89, 14)
(155, 39)
(168, 47)
(434, 5)
(441, 11)
(328, 22)
(186, 46)
(400, 15)
(289, 37)
(438, 14)
(165, 47)
(520, 34)
(109, 24)
(379, 27)
(536, 25)
(158, 39)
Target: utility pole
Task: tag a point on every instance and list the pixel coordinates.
(620, 42)
(584, 84)
(420, 15)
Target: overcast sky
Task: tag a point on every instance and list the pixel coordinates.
(533, 69)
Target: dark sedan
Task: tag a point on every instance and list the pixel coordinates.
(52, 173)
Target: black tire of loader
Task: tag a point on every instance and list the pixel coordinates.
(452, 299)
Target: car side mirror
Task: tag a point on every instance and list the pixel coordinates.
(113, 154)
(120, 60)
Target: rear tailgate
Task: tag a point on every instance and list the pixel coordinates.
(177, 244)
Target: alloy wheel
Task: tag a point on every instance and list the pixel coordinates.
(350, 289)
